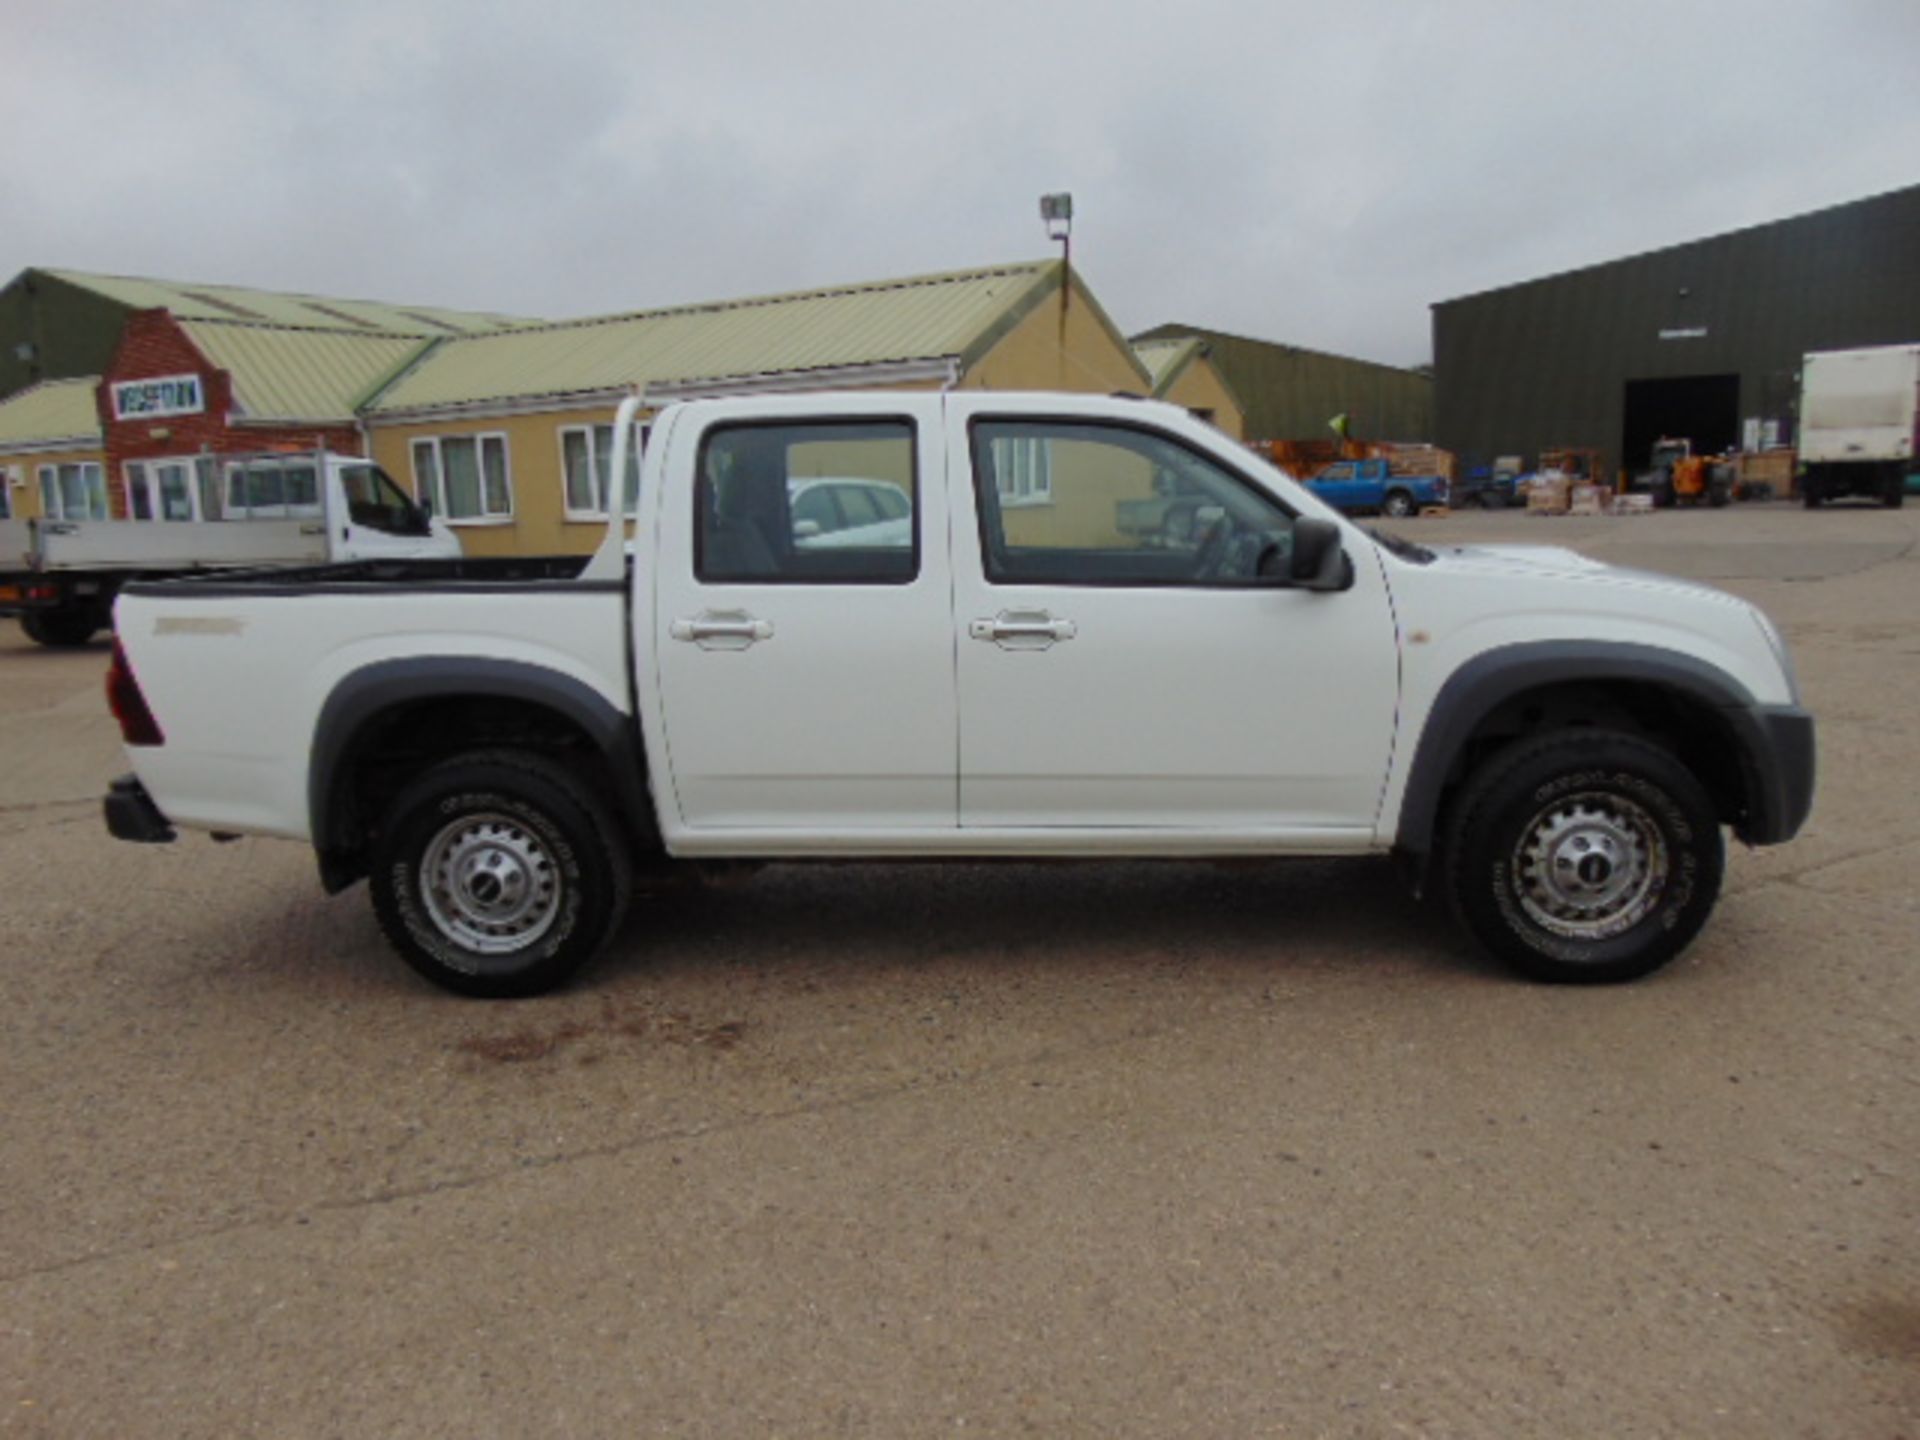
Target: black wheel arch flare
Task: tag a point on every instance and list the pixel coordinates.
(365, 695)
(1774, 743)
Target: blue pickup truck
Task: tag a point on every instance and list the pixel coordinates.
(1357, 486)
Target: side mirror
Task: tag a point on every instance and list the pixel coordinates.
(805, 529)
(1319, 562)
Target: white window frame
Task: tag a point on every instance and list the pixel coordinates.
(1023, 473)
(439, 489)
(225, 474)
(591, 431)
(128, 468)
(53, 504)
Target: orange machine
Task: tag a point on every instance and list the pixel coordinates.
(1680, 477)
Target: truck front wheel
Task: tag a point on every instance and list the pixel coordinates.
(1584, 856)
(498, 874)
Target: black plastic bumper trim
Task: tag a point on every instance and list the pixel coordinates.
(132, 815)
(1779, 753)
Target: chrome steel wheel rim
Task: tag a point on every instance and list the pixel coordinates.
(1590, 866)
(490, 884)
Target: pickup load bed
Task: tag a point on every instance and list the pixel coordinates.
(1072, 626)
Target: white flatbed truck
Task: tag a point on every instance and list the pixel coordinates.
(276, 509)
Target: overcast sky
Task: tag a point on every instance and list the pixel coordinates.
(1313, 173)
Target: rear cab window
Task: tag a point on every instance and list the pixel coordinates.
(807, 502)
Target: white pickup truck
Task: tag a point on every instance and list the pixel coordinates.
(207, 513)
(1003, 660)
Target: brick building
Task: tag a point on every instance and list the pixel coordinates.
(178, 391)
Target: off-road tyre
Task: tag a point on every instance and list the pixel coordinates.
(59, 629)
(533, 874)
(1526, 824)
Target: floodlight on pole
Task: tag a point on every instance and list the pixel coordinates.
(1056, 210)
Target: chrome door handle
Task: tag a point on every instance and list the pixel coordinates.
(721, 630)
(1023, 630)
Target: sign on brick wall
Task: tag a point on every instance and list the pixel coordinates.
(158, 397)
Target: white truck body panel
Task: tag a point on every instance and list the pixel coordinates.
(172, 545)
(874, 721)
(243, 767)
(1860, 405)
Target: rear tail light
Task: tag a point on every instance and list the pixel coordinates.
(129, 706)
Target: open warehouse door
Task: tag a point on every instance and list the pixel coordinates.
(1704, 409)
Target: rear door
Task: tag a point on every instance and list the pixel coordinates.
(1126, 657)
(804, 663)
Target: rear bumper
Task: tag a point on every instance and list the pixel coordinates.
(132, 815)
(1779, 752)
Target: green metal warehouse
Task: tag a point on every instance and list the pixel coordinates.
(1701, 340)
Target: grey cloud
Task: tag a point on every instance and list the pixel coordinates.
(1313, 173)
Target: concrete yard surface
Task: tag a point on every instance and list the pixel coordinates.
(1124, 1150)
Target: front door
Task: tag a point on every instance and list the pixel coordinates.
(1126, 657)
(803, 619)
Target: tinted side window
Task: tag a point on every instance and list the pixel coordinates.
(376, 502)
(772, 504)
(1119, 506)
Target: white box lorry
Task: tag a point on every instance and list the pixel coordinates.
(994, 660)
(215, 512)
(1859, 423)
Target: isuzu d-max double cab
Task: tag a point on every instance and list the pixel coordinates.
(1012, 661)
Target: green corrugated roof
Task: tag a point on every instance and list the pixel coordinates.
(270, 307)
(281, 373)
(927, 317)
(52, 410)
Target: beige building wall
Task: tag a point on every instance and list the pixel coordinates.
(24, 498)
(1045, 351)
(1199, 387)
(1089, 484)
(535, 471)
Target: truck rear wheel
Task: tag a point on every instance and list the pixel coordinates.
(1398, 504)
(59, 629)
(1584, 857)
(498, 874)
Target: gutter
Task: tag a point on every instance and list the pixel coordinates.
(52, 447)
